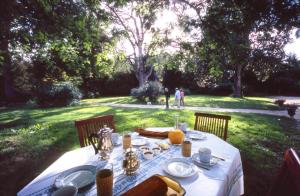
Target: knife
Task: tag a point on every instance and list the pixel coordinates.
(218, 157)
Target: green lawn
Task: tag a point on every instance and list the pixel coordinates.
(39, 136)
(201, 101)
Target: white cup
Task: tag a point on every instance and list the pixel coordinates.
(183, 126)
(115, 138)
(204, 155)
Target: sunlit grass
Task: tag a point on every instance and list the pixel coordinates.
(200, 101)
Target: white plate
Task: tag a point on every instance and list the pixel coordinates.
(79, 177)
(138, 142)
(180, 168)
(197, 136)
(196, 159)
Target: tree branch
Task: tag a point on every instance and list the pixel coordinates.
(123, 24)
(195, 7)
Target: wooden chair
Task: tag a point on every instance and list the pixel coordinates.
(212, 123)
(288, 180)
(92, 125)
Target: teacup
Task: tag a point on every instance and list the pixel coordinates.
(204, 155)
(115, 138)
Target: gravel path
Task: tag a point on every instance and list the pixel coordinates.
(210, 109)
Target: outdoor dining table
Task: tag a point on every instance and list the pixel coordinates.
(224, 178)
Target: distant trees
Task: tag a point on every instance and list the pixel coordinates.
(239, 35)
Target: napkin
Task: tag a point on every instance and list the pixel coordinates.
(146, 133)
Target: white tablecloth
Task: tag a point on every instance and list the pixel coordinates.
(225, 178)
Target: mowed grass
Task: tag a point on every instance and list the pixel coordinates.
(33, 134)
(263, 103)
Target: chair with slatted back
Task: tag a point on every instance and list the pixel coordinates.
(92, 125)
(288, 180)
(212, 123)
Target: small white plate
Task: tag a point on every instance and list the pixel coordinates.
(138, 142)
(213, 161)
(180, 168)
(79, 177)
(197, 136)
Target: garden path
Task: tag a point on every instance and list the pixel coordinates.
(211, 109)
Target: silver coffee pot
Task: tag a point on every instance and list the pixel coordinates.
(105, 145)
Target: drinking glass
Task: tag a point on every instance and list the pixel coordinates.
(126, 140)
(104, 180)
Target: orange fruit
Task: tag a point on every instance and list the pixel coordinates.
(176, 136)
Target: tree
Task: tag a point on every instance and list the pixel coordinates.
(247, 34)
(58, 39)
(136, 21)
(8, 11)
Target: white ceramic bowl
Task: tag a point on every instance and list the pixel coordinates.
(156, 150)
(144, 148)
(148, 154)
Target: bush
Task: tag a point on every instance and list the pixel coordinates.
(186, 91)
(60, 94)
(279, 102)
(151, 91)
(118, 84)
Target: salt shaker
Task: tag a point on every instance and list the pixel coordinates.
(186, 148)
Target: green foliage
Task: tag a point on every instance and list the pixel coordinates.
(62, 39)
(151, 91)
(118, 84)
(60, 94)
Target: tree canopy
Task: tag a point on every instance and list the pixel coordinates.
(43, 41)
(239, 35)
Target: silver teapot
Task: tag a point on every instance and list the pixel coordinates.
(105, 145)
(131, 162)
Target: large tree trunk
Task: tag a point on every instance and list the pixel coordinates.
(142, 73)
(9, 92)
(141, 78)
(237, 87)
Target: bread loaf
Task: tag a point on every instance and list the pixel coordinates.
(152, 186)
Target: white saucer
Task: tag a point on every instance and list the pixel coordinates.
(138, 141)
(197, 136)
(196, 159)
